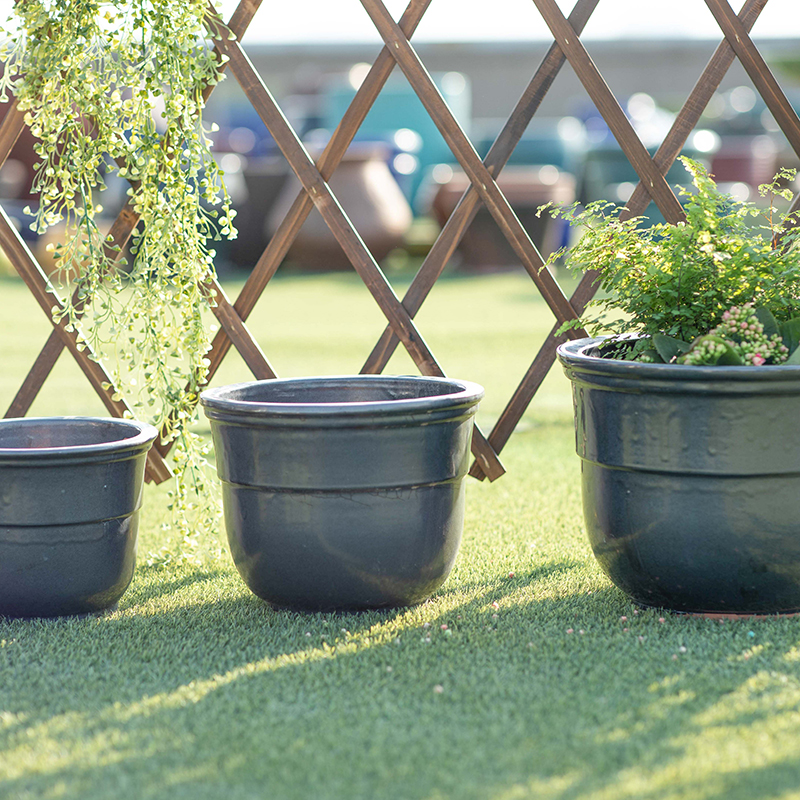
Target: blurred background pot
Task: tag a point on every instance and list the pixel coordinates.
(691, 480)
(343, 492)
(371, 198)
(70, 493)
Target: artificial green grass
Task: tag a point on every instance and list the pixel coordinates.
(546, 682)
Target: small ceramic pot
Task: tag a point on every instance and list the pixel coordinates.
(70, 493)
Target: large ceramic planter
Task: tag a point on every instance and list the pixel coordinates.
(691, 480)
(70, 493)
(343, 492)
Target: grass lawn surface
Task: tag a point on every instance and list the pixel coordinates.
(528, 675)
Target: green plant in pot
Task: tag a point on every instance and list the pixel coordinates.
(114, 88)
(685, 408)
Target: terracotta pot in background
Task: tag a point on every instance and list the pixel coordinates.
(483, 246)
(371, 198)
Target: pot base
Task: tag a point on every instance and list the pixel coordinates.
(737, 617)
(697, 544)
(78, 615)
(331, 551)
(720, 615)
(71, 570)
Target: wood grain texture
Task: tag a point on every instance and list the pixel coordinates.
(739, 39)
(693, 108)
(37, 375)
(10, 129)
(611, 110)
(238, 333)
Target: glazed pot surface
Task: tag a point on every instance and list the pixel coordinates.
(343, 492)
(70, 493)
(691, 480)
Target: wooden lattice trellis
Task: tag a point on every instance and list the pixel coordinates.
(398, 51)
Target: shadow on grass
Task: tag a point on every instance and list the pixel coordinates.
(522, 694)
(151, 584)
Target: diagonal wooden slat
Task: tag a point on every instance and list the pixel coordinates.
(337, 221)
(10, 129)
(684, 123)
(464, 212)
(37, 375)
(239, 22)
(118, 236)
(237, 332)
(414, 70)
(739, 39)
(612, 113)
(693, 108)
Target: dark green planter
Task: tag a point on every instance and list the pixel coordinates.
(691, 480)
(70, 493)
(343, 493)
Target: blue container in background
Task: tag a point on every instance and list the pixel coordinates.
(397, 108)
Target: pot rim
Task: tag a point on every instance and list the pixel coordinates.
(220, 399)
(575, 354)
(142, 436)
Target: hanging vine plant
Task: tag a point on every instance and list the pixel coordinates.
(116, 87)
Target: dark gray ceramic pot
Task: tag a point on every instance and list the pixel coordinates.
(70, 493)
(691, 480)
(343, 492)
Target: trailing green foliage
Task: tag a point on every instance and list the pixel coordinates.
(671, 284)
(110, 86)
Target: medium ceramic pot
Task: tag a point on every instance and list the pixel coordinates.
(344, 492)
(70, 493)
(691, 480)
